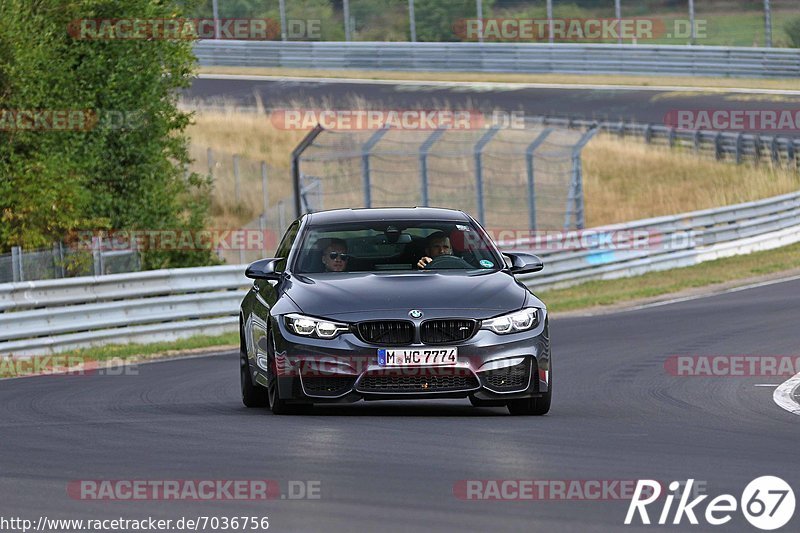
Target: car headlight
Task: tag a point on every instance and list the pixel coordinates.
(314, 327)
(513, 322)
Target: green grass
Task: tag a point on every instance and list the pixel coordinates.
(744, 28)
(595, 294)
(129, 353)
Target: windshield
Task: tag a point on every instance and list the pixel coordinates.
(395, 245)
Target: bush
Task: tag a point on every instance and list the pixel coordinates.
(115, 174)
(793, 31)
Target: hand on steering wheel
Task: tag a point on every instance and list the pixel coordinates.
(446, 261)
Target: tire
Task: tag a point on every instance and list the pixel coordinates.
(477, 402)
(252, 395)
(533, 406)
(276, 404)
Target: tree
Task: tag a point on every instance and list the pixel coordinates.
(793, 31)
(123, 167)
(438, 21)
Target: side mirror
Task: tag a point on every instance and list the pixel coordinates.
(263, 269)
(524, 263)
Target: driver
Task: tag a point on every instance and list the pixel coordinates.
(436, 244)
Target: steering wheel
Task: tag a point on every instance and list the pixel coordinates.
(448, 261)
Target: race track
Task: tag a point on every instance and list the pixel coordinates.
(617, 415)
(643, 105)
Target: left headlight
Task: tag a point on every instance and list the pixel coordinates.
(314, 327)
(513, 322)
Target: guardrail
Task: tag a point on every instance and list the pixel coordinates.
(666, 242)
(42, 317)
(507, 57)
(722, 145)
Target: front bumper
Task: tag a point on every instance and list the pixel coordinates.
(345, 369)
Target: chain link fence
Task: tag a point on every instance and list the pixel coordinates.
(507, 178)
(63, 261)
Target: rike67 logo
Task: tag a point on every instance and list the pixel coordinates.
(767, 503)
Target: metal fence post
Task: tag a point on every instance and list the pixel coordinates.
(296, 153)
(412, 23)
(529, 151)
(424, 150)
(575, 199)
(16, 262)
(618, 13)
(757, 147)
(346, 9)
(365, 170)
(767, 24)
(693, 29)
(550, 19)
(775, 153)
(718, 146)
(62, 263)
(479, 146)
(282, 9)
(236, 179)
(281, 216)
(56, 270)
(739, 143)
(264, 192)
(97, 268)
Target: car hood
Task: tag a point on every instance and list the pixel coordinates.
(393, 295)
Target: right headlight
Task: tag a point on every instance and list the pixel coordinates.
(314, 327)
(513, 322)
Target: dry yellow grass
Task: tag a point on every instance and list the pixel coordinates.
(624, 178)
(571, 79)
(627, 180)
(254, 139)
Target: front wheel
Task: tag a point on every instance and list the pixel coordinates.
(252, 394)
(276, 404)
(533, 406)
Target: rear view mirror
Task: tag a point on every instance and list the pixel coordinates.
(524, 263)
(263, 269)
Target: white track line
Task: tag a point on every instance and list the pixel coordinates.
(784, 395)
(501, 85)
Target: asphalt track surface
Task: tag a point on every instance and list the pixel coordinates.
(636, 105)
(617, 415)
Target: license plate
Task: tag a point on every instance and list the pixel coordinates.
(414, 357)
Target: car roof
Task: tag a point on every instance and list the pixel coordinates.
(385, 214)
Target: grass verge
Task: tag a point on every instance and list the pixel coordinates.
(90, 360)
(499, 77)
(594, 295)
